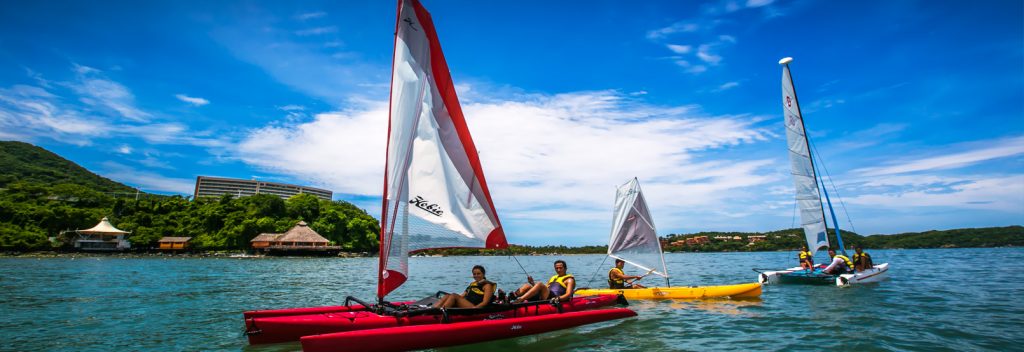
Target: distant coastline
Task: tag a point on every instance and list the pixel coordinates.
(783, 240)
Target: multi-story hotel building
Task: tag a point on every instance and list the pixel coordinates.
(216, 186)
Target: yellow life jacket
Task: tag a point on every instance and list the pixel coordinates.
(613, 282)
(556, 284)
(849, 264)
(806, 255)
(857, 257)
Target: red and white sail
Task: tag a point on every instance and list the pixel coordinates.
(435, 195)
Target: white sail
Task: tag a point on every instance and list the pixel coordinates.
(812, 216)
(634, 238)
(435, 193)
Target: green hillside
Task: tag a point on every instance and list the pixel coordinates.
(24, 162)
(792, 239)
(43, 194)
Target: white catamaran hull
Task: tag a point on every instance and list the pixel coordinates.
(876, 274)
(772, 277)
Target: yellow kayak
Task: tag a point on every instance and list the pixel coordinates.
(750, 290)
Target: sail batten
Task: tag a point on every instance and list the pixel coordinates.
(435, 193)
(634, 239)
(808, 197)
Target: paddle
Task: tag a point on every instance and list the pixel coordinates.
(630, 282)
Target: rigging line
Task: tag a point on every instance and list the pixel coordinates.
(591, 280)
(792, 222)
(834, 188)
(517, 262)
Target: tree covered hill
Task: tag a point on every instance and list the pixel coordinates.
(24, 162)
(792, 239)
(42, 194)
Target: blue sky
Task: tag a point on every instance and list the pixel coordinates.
(916, 107)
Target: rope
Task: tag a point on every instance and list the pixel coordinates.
(834, 189)
(591, 280)
(517, 262)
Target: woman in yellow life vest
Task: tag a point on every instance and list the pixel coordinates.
(806, 258)
(478, 294)
(861, 260)
(617, 278)
(559, 288)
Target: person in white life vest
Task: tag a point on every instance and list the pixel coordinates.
(840, 264)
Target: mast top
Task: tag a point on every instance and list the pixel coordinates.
(785, 60)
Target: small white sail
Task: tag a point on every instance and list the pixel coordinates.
(812, 215)
(634, 238)
(435, 193)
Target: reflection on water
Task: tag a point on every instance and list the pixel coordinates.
(934, 299)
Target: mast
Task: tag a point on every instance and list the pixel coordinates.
(812, 169)
(835, 222)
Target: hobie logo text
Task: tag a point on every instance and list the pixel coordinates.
(430, 208)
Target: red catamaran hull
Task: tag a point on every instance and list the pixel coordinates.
(287, 328)
(406, 338)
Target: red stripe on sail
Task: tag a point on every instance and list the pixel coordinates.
(443, 82)
(383, 247)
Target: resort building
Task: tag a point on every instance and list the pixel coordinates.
(298, 240)
(217, 186)
(102, 237)
(755, 239)
(723, 238)
(174, 243)
(698, 240)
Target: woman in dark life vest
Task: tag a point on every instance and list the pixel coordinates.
(478, 294)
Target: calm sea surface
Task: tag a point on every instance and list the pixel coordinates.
(941, 299)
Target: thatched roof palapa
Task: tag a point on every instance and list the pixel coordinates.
(300, 233)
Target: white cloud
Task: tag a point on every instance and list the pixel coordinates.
(30, 112)
(978, 152)
(147, 181)
(192, 100)
(310, 15)
(691, 68)
(759, 3)
(679, 49)
(97, 90)
(726, 86)
(124, 149)
(569, 148)
(705, 54)
(317, 31)
(678, 27)
(994, 193)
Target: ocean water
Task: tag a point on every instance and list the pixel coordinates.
(934, 299)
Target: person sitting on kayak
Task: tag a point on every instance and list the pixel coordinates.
(478, 294)
(617, 278)
(861, 260)
(559, 288)
(806, 258)
(840, 264)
